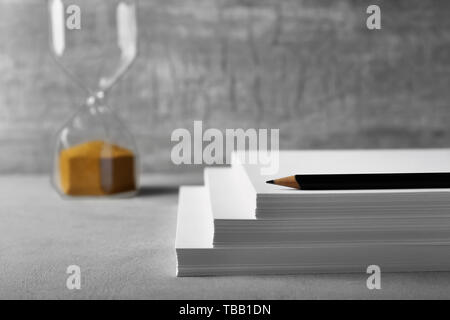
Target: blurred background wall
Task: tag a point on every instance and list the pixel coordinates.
(310, 68)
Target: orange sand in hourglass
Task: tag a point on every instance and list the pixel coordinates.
(96, 168)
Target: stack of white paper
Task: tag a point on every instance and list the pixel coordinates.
(237, 224)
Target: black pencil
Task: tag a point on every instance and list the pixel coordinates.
(365, 181)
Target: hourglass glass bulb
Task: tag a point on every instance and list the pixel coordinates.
(96, 53)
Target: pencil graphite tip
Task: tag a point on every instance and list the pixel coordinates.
(270, 181)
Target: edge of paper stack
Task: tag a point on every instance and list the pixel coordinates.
(234, 225)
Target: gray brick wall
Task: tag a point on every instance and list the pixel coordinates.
(310, 68)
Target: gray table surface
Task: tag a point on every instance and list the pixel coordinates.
(125, 249)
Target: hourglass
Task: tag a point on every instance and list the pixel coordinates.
(94, 42)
